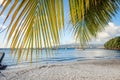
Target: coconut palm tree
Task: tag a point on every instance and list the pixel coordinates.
(38, 23)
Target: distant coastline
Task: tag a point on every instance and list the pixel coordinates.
(67, 46)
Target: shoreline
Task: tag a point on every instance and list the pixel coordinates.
(77, 70)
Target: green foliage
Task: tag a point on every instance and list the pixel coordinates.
(90, 16)
(113, 43)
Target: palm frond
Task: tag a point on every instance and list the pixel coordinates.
(89, 17)
(34, 24)
(37, 23)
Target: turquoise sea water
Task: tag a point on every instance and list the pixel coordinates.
(61, 55)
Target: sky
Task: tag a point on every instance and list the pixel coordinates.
(111, 30)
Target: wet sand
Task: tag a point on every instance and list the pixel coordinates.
(78, 70)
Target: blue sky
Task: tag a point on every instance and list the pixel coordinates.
(111, 30)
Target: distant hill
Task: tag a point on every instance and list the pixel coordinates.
(75, 45)
(113, 43)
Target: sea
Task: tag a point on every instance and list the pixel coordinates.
(58, 56)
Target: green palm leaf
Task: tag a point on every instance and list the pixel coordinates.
(89, 17)
(38, 23)
(34, 24)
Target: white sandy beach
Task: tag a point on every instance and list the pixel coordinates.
(79, 70)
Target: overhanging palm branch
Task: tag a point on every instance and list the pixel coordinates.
(34, 24)
(90, 16)
(37, 23)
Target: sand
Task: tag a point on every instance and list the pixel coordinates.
(77, 70)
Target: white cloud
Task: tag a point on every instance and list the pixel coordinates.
(111, 31)
(2, 27)
(1, 2)
(68, 41)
